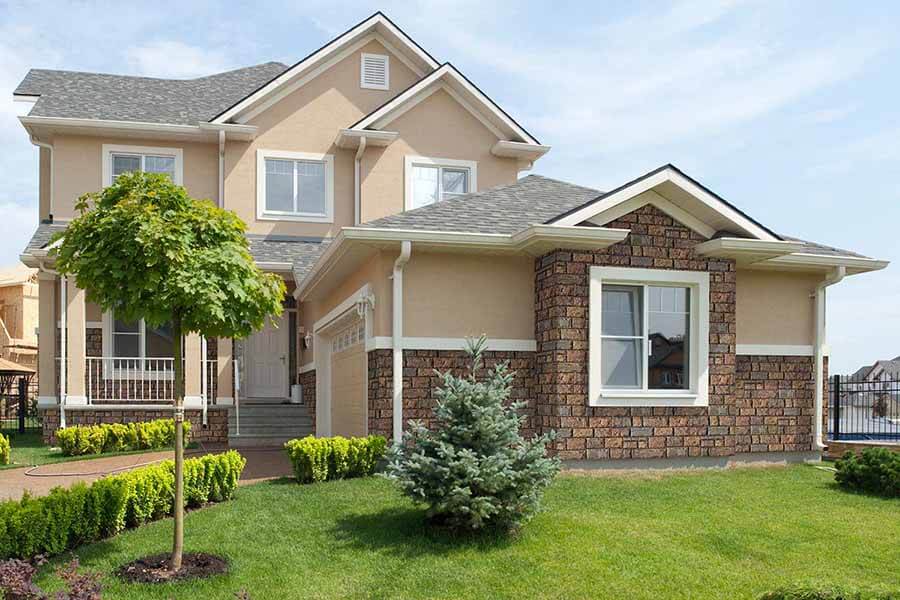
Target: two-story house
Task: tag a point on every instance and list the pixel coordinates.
(384, 186)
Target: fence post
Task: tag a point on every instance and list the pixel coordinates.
(836, 390)
(23, 402)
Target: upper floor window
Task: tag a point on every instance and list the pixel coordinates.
(429, 180)
(374, 71)
(295, 186)
(119, 159)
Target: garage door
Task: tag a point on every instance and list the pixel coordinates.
(348, 381)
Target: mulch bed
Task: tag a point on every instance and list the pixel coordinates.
(155, 568)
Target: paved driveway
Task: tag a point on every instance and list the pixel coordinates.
(262, 464)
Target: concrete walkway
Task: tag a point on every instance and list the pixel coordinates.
(262, 464)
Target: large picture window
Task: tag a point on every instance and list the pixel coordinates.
(649, 345)
(430, 180)
(295, 186)
(136, 345)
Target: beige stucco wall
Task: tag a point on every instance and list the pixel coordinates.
(775, 308)
(78, 168)
(437, 127)
(308, 120)
(457, 295)
(375, 272)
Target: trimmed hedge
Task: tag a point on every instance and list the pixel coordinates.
(4, 450)
(319, 459)
(119, 437)
(876, 471)
(826, 592)
(67, 518)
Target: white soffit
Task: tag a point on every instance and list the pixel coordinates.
(676, 194)
(377, 27)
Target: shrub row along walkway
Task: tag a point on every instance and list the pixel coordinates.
(262, 464)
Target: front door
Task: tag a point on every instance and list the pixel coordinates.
(266, 360)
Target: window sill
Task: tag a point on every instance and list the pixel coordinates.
(295, 218)
(619, 398)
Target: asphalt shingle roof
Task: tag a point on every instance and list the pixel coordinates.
(301, 252)
(509, 209)
(503, 209)
(79, 95)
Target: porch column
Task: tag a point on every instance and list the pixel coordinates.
(47, 300)
(193, 368)
(75, 344)
(225, 368)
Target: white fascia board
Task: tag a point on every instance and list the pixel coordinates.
(607, 201)
(279, 267)
(349, 138)
(826, 261)
(190, 130)
(363, 29)
(387, 113)
(235, 131)
(727, 247)
(508, 149)
(539, 239)
(26, 98)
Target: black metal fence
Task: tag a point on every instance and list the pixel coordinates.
(18, 407)
(864, 410)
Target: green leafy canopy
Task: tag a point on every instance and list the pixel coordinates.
(144, 248)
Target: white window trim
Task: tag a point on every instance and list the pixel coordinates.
(698, 283)
(411, 161)
(107, 353)
(267, 215)
(387, 71)
(110, 149)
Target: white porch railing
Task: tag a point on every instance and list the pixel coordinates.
(126, 380)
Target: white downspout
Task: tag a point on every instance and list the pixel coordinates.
(49, 147)
(63, 353)
(397, 363)
(221, 202)
(357, 193)
(835, 277)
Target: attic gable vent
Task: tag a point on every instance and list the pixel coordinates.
(374, 72)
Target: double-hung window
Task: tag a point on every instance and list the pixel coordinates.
(149, 159)
(295, 186)
(648, 337)
(134, 345)
(430, 180)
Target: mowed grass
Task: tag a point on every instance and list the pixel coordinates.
(715, 534)
(28, 449)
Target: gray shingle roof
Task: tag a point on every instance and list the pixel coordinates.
(815, 248)
(79, 95)
(503, 209)
(301, 252)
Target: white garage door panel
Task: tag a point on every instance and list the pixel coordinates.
(348, 391)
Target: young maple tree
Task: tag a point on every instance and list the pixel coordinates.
(144, 249)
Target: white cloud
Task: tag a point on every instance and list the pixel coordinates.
(174, 59)
(867, 151)
(829, 115)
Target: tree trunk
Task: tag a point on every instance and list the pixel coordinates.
(178, 542)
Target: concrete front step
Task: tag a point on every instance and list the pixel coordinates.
(259, 440)
(289, 430)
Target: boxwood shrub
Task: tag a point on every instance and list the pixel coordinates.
(67, 518)
(119, 437)
(4, 450)
(319, 459)
(826, 592)
(876, 471)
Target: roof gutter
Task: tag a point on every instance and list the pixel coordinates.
(833, 278)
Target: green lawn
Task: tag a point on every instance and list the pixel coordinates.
(731, 534)
(28, 449)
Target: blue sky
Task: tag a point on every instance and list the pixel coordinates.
(787, 109)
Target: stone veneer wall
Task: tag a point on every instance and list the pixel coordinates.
(215, 432)
(561, 327)
(419, 383)
(308, 381)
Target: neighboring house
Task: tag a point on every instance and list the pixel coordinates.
(19, 314)
(884, 370)
(653, 320)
